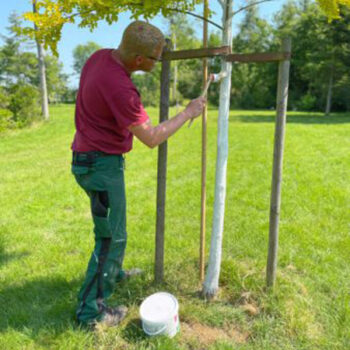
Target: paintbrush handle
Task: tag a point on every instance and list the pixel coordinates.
(204, 92)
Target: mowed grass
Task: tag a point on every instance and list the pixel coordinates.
(46, 238)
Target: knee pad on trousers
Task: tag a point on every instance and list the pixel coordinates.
(99, 203)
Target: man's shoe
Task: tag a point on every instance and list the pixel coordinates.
(132, 272)
(126, 274)
(112, 316)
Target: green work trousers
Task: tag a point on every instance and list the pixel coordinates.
(102, 178)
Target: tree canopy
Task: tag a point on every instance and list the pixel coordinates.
(331, 7)
(53, 14)
(320, 58)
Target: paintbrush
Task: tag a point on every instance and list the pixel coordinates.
(215, 78)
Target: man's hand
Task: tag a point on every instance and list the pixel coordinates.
(195, 107)
(153, 136)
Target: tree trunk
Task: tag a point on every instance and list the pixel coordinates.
(211, 283)
(42, 74)
(329, 93)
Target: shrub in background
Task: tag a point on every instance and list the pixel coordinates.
(5, 119)
(24, 104)
(5, 114)
(307, 103)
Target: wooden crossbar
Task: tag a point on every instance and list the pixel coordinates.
(258, 57)
(196, 53)
(225, 51)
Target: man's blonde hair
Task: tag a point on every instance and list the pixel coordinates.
(140, 38)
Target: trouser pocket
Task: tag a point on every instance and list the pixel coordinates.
(82, 162)
(79, 170)
(100, 213)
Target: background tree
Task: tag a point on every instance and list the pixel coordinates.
(18, 71)
(148, 86)
(336, 62)
(19, 79)
(57, 81)
(320, 56)
(81, 53)
(189, 72)
(253, 85)
(41, 72)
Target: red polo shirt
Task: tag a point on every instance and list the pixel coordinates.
(107, 104)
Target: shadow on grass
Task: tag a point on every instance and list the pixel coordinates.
(6, 257)
(303, 118)
(40, 303)
(43, 306)
(47, 305)
(133, 331)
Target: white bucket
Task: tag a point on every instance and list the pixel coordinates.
(159, 315)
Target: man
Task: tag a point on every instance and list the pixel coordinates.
(108, 113)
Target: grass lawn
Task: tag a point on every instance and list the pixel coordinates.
(46, 238)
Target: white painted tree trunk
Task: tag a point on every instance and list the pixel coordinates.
(211, 283)
(42, 74)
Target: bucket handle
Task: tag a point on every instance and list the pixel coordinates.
(155, 333)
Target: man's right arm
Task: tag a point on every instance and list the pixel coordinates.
(153, 136)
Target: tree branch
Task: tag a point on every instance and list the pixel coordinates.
(221, 2)
(248, 6)
(200, 17)
(175, 10)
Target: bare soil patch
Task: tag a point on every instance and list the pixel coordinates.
(206, 335)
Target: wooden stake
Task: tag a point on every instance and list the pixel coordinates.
(204, 153)
(275, 203)
(162, 168)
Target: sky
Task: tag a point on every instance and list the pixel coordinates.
(109, 36)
